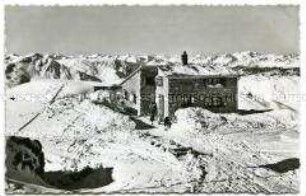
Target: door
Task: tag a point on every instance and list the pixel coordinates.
(161, 107)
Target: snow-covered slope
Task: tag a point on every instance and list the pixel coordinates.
(198, 119)
(42, 91)
(202, 152)
(102, 68)
(24, 101)
(260, 92)
(245, 59)
(238, 145)
(75, 134)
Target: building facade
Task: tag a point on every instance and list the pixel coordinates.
(215, 93)
(171, 91)
(139, 89)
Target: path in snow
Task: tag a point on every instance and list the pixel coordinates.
(231, 160)
(149, 158)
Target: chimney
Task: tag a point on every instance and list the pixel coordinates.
(184, 58)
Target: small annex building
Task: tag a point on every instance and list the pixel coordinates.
(174, 86)
(139, 89)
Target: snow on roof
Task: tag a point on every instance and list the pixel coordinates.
(196, 70)
(158, 61)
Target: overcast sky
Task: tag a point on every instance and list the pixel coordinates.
(151, 30)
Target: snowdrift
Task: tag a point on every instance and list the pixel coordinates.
(42, 91)
(259, 92)
(200, 120)
(89, 135)
(239, 147)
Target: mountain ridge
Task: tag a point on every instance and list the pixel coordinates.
(110, 69)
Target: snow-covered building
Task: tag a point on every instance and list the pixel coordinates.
(174, 86)
(217, 93)
(139, 89)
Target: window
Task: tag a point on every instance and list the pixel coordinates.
(134, 98)
(207, 101)
(150, 80)
(215, 83)
(229, 97)
(192, 99)
(159, 81)
(217, 101)
(209, 81)
(196, 85)
(26, 156)
(186, 100)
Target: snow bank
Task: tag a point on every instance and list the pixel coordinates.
(35, 91)
(43, 91)
(25, 101)
(69, 121)
(238, 145)
(268, 92)
(198, 120)
(77, 134)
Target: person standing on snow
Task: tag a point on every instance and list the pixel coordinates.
(153, 110)
(167, 123)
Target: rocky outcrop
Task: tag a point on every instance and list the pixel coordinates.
(25, 164)
(24, 160)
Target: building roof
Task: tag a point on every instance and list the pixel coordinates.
(196, 70)
(140, 67)
(190, 70)
(131, 75)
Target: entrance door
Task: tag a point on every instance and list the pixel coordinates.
(161, 107)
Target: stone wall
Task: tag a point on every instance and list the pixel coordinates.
(218, 94)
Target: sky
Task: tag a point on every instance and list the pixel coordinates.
(151, 29)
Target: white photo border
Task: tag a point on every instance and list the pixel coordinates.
(300, 3)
